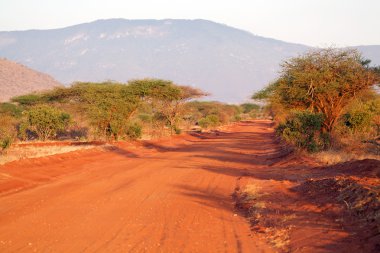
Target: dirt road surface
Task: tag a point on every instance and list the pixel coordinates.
(168, 196)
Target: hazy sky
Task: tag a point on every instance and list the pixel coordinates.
(311, 22)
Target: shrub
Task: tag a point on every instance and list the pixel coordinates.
(22, 132)
(11, 109)
(7, 131)
(304, 129)
(134, 131)
(177, 130)
(358, 121)
(209, 121)
(361, 115)
(29, 99)
(145, 117)
(46, 121)
(6, 143)
(237, 117)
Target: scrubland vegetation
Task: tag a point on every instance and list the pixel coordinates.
(109, 111)
(327, 100)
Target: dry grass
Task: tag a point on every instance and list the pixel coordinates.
(18, 153)
(349, 146)
(279, 238)
(276, 232)
(331, 157)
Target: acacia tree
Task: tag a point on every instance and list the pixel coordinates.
(108, 106)
(172, 107)
(322, 81)
(166, 98)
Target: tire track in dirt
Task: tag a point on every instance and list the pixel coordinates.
(170, 196)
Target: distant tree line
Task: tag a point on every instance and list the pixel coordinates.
(113, 111)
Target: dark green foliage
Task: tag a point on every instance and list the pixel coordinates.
(46, 121)
(304, 129)
(30, 99)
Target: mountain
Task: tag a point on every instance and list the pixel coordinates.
(16, 79)
(227, 62)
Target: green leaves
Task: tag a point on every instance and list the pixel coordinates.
(46, 121)
(322, 81)
(106, 108)
(304, 129)
(209, 121)
(29, 100)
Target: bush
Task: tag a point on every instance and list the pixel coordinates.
(304, 129)
(47, 121)
(361, 115)
(358, 121)
(22, 132)
(29, 99)
(145, 117)
(6, 143)
(237, 117)
(11, 109)
(177, 130)
(7, 131)
(209, 121)
(134, 131)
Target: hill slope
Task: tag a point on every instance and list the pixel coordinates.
(227, 62)
(16, 79)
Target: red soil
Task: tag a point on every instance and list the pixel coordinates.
(171, 195)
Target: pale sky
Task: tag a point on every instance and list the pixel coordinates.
(312, 22)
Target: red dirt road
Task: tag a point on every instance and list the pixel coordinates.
(168, 196)
(148, 199)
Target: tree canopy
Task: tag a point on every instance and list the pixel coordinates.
(321, 81)
(109, 106)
